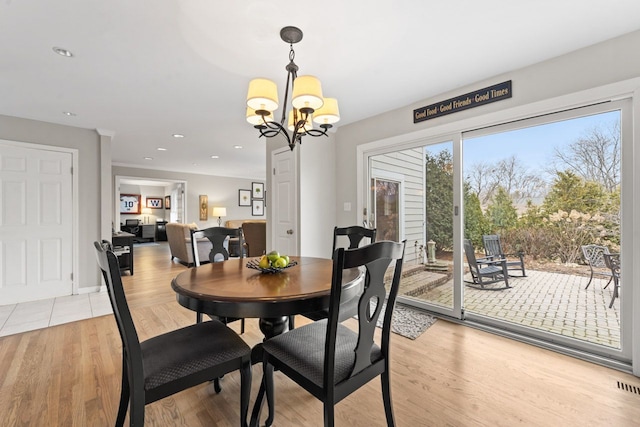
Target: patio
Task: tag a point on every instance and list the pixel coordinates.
(547, 301)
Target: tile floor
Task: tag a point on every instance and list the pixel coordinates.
(16, 318)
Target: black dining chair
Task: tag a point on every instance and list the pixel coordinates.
(217, 236)
(327, 358)
(355, 234)
(174, 361)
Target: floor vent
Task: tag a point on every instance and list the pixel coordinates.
(629, 388)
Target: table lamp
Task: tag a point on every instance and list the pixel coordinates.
(219, 212)
(146, 212)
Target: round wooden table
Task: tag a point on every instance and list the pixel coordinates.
(231, 289)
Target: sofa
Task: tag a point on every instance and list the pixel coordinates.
(179, 238)
(259, 244)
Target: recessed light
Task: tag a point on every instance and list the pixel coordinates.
(68, 113)
(178, 135)
(194, 164)
(63, 52)
(148, 158)
(161, 149)
(237, 146)
(215, 157)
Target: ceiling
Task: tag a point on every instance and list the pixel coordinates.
(144, 70)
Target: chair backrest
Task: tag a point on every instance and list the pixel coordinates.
(355, 233)
(218, 236)
(612, 261)
(375, 259)
(492, 246)
(132, 222)
(594, 255)
(255, 235)
(470, 253)
(108, 263)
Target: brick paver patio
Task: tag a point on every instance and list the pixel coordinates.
(552, 302)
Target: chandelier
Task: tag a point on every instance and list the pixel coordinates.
(308, 106)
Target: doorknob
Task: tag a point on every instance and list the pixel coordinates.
(289, 231)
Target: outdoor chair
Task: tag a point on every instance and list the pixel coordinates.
(217, 236)
(594, 256)
(327, 358)
(493, 248)
(494, 270)
(355, 234)
(613, 263)
(174, 361)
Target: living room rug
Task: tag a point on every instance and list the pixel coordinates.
(407, 321)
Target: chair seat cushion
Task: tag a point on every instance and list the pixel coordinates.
(302, 349)
(173, 355)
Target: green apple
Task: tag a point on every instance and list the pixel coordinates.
(280, 263)
(286, 258)
(273, 255)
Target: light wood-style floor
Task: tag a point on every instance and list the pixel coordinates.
(452, 375)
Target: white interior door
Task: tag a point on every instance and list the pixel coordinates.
(36, 218)
(285, 203)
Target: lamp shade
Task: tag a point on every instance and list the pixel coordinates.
(307, 93)
(262, 95)
(256, 119)
(328, 113)
(218, 212)
(308, 125)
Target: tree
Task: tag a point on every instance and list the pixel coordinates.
(501, 213)
(596, 156)
(439, 198)
(475, 224)
(571, 192)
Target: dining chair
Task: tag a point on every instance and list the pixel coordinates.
(218, 236)
(355, 234)
(327, 358)
(612, 262)
(174, 361)
(594, 255)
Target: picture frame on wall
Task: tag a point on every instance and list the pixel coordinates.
(244, 197)
(257, 207)
(154, 202)
(130, 204)
(203, 201)
(257, 190)
(167, 202)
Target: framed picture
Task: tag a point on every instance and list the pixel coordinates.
(204, 207)
(167, 202)
(130, 204)
(257, 207)
(244, 197)
(257, 190)
(154, 202)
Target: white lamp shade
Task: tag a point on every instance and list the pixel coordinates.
(262, 95)
(218, 212)
(328, 113)
(307, 93)
(308, 125)
(256, 119)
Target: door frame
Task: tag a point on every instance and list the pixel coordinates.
(75, 208)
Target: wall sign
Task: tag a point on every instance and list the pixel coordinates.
(463, 102)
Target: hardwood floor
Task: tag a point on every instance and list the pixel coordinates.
(452, 375)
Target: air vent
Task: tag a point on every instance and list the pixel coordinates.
(630, 388)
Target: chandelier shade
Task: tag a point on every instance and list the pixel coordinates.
(262, 95)
(307, 102)
(328, 113)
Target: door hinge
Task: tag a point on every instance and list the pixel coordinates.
(274, 171)
(72, 277)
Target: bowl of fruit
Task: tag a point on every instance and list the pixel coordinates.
(272, 262)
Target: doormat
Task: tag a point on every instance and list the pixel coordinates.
(407, 321)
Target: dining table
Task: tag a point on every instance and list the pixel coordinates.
(232, 289)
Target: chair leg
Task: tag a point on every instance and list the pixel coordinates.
(216, 385)
(615, 293)
(328, 414)
(386, 397)
(136, 409)
(242, 327)
(267, 377)
(608, 283)
(245, 392)
(198, 317)
(124, 395)
(590, 279)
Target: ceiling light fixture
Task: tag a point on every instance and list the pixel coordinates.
(178, 135)
(238, 147)
(148, 158)
(306, 99)
(68, 113)
(161, 149)
(215, 157)
(62, 52)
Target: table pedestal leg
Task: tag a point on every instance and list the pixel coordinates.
(270, 327)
